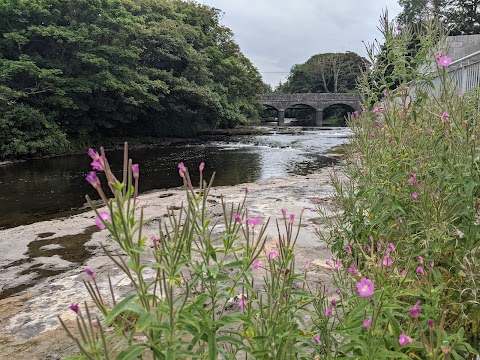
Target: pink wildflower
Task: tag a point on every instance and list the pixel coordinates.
(391, 246)
(75, 308)
(416, 310)
(387, 261)
(256, 263)
(90, 273)
(356, 114)
(181, 169)
(365, 288)
(284, 213)
(420, 259)
(202, 166)
(316, 339)
(135, 171)
(445, 115)
(348, 249)
(93, 154)
(272, 255)
(92, 178)
(328, 312)
(253, 221)
(404, 339)
(420, 270)
(366, 323)
(353, 270)
(444, 61)
(338, 265)
(415, 196)
(292, 217)
(238, 219)
(97, 164)
(307, 264)
(242, 302)
(106, 218)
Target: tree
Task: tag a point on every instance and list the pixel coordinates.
(330, 72)
(460, 17)
(415, 11)
(104, 68)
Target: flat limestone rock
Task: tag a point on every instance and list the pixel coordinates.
(29, 328)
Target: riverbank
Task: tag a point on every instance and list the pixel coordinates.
(29, 327)
(148, 142)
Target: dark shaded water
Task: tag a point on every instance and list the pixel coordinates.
(70, 248)
(42, 189)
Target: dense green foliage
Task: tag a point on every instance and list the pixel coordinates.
(410, 43)
(322, 73)
(460, 17)
(410, 224)
(77, 69)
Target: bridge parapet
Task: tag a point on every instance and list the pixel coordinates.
(311, 97)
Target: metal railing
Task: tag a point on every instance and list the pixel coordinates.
(464, 73)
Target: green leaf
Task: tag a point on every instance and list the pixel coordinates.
(132, 352)
(234, 264)
(144, 321)
(123, 305)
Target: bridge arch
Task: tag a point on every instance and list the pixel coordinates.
(336, 114)
(317, 101)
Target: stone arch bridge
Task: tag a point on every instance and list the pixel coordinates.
(317, 101)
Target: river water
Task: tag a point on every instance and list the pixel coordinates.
(42, 189)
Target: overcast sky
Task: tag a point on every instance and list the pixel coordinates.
(277, 34)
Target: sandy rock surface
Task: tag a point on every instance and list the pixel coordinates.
(42, 264)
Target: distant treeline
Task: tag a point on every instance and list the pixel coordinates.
(76, 71)
(325, 73)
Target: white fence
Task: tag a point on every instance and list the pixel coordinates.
(464, 73)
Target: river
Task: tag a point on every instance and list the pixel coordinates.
(43, 189)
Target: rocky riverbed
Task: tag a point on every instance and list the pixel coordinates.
(42, 264)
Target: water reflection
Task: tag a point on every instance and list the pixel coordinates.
(42, 189)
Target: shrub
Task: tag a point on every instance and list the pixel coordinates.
(203, 301)
(411, 215)
(26, 132)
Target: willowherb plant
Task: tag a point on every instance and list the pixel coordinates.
(202, 300)
(411, 208)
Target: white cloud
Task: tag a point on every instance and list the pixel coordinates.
(277, 34)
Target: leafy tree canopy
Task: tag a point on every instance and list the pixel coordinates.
(86, 68)
(323, 73)
(460, 17)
